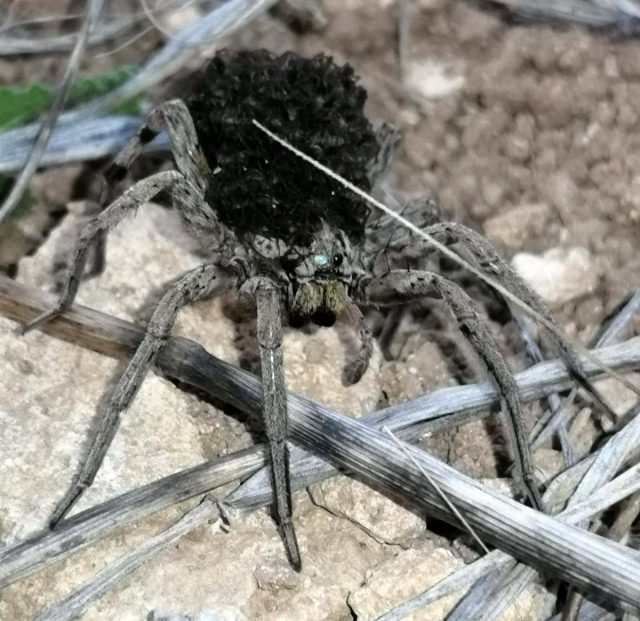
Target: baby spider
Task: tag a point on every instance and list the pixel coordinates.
(282, 233)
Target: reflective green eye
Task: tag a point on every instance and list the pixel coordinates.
(320, 260)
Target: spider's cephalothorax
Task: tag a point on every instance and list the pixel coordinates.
(321, 278)
(283, 233)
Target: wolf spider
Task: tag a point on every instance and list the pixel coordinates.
(283, 234)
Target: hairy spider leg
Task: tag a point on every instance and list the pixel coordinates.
(202, 281)
(188, 185)
(400, 286)
(492, 263)
(174, 116)
(356, 368)
(274, 406)
(135, 196)
(388, 137)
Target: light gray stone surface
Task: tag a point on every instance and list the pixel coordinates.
(353, 540)
(513, 228)
(404, 576)
(49, 404)
(559, 275)
(377, 515)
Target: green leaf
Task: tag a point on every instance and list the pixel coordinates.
(86, 89)
(22, 104)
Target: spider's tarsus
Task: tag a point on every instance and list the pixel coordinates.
(584, 383)
(291, 544)
(64, 506)
(45, 317)
(534, 495)
(353, 372)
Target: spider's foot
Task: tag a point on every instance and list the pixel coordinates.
(352, 373)
(60, 511)
(39, 320)
(534, 495)
(64, 506)
(596, 396)
(291, 545)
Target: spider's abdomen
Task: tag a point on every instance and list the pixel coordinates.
(257, 186)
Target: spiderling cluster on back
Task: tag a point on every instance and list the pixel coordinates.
(283, 234)
(259, 188)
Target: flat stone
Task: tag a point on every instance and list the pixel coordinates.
(559, 275)
(380, 517)
(51, 405)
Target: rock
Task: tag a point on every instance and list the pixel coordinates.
(402, 577)
(559, 275)
(472, 448)
(514, 227)
(561, 192)
(548, 464)
(222, 613)
(432, 80)
(380, 517)
(584, 433)
(411, 572)
(49, 405)
(424, 371)
(618, 396)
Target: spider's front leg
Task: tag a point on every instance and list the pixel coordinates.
(491, 263)
(200, 282)
(269, 332)
(401, 286)
(356, 368)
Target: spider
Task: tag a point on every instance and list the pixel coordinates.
(283, 234)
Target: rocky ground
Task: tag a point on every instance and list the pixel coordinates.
(526, 133)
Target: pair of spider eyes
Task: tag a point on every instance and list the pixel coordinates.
(321, 260)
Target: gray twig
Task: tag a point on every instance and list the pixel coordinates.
(442, 495)
(80, 136)
(313, 424)
(520, 577)
(602, 466)
(24, 558)
(74, 605)
(534, 353)
(545, 428)
(620, 14)
(76, 141)
(461, 579)
(582, 558)
(30, 166)
(14, 45)
(183, 46)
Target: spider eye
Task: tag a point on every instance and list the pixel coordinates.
(337, 259)
(320, 260)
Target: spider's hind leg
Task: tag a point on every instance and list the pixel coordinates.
(387, 137)
(491, 263)
(173, 116)
(401, 286)
(188, 185)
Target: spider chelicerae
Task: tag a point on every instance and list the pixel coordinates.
(283, 234)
